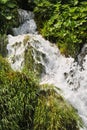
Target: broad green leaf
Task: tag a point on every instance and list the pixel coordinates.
(11, 5)
(75, 2)
(9, 17)
(73, 9)
(3, 1)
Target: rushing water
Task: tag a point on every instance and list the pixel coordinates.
(60, 71)
(27, 23)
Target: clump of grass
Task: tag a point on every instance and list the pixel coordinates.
(54, 113)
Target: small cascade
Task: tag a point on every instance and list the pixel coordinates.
(64, 73)
(27, 23)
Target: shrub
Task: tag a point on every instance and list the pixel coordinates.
(8, 15)
(65, 23)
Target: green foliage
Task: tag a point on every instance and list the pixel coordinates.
(3, 44)
(8, 15)
(17, 98)
(4, 66)
(64, 23)
(53, 113)
(30, 61)
(3, 1)
(24, 105)
(43, 12)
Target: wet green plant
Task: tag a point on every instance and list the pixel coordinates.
(17, 98)
(32, 61)
(8, 15)
(65, 23)
(53, 112)
(24, 104)
(3, 45)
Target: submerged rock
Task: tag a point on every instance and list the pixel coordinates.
(82, 56)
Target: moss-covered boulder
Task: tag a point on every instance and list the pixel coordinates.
(17, 98)
(25, 105)
(32, 60)
(53, 112)
(3, 44)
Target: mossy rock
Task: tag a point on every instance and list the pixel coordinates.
(54, 113)
(32, 60)
(4, 65)
(17, 98)
(3, 44)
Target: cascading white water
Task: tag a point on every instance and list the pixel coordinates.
(27, 23)
(60, 71)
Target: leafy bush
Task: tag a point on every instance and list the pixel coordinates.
(65, 23)
(8, 15)
(4, 66)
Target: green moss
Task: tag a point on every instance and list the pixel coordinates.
(8, 15)
(3, 45)
(53, 112)
(4, 65)
(17, 98)
(29, 60)
(33, 63)
(26, 39)
(24, 105)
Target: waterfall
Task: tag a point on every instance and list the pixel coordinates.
(64, 73)
(27, 23)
